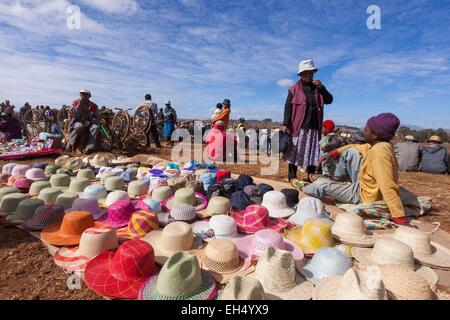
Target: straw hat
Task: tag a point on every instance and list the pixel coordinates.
(86, 174)
(218, 227)
(388, 251)
(156, 183)
(44, 216)
(66, 200)
(49, 195)
(435, 139)
(37, 186)
(353, 285)
(243, 288)
(7, 190)
(7, 168)
(326, 262)
(114, 183)
(12, 179)
(137, 188)
(104, 173)
(68, 231)
(181, 278)
(121, 273)
(4, 178)
(93, 242)
(95, 191)
(140, 224)
(75, 164)
(61, 161)
(175, 237)
(36, 174)
(25, 210)
(275, 202)
(426, 252)
(186, 196)
(162, 193)
(20, 170)
(220, 257)
(277, 273)
(304, 214)
(255, 218)
(149, 204)
(60, 180)
(23, 184)
(349, 229)
(88, 205)
(78, 185)
(216, 205)
(121, 161)
(100, 161)
(116, 196)
(10, 202)
(119, 214)
(314, 235)
(51, 169)
(179, 212)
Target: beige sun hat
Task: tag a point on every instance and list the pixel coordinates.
(66, 199)
(100, 161)
(49, 195)
(107, 175)
(175, 237)
(220, 257)
(349, 229)
(78, 185)
(37, 186)
(353, 285)
(387, 251)
(75, 164)
(7, 190)
(115, 196)
(275, 202)
(121, 161)
(425, 251)
(86, 173)
(114, 183)
(60, 180)
(10, 202)
(216, 205)
(162, 193)
(243, 288)
(137, 188)
(186, 196)
(61, 161)
(277, 273)
(25, 210)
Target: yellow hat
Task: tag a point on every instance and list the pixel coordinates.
(314, 234)
(435, 139)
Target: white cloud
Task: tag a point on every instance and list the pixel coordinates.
(114, 6)
(285, 83)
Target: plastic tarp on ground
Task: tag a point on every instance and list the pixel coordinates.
(31, 154)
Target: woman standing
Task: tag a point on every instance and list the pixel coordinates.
(303, 116)
(170, 118)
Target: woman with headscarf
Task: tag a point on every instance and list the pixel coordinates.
(170, 118)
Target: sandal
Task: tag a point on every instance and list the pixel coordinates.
(298, 184)
(313, 177)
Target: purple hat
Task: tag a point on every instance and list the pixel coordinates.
(89, 205)
(119, 214)
(23, 184)
(156, 172)
(384, 125)
(36, 174)
(20, 170)
(43, 217)
(39, 165)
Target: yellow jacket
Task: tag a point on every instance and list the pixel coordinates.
(378, 176)
(223, 116)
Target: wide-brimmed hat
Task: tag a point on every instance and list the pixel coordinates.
(243, 180)
(7, 190)
(175, 237)
(222, 174)
(37, 186)
(44, 216)
(325, 263)
(4, 178)
(89, 205)
(78, 185)
(119, 214)
(179, 212)
(140, 224)
(353, 285)
(127, 176)
(349, 229)
(49, 195)
(12, 180)
(156, 182)
(255, 218)
(436, 139)
(36, 174)
(252, 192)
(121, 161)
(181, 278)
(306, 65)
(23, 184)
(240, 200)
(185, 196)
(62, 160)
(65, 171)
(7, 168)
(221, 258)
(116, 196)
(216, 190)
(149, 204)
(68, 231)
(291, 197)
(304, 214)
(100, 161)
(277, 273)
(104, 173)
(20, 170)
(86, 174)
(10, 201)
(137, 188)
(121, 273)
(51, 169)
(95, 191)
(314, 235)
(76, 164)
(66, 199)
(216, 205)
(39, 165)
(25, 210)
(114, 183)
(243, 288)
(218, 227)
(93, 242)
(60, 180)
(275, 202)
(426, 252)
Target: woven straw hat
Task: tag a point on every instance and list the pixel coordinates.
(44, 216)
(7, 190)
(141, 223)
(277, 273)
(49, 195)
(218, 227)
(137, 188)
(76, 164)
(36, 174)
(180, 279)
(157, 182)
(435, 139)
(216, 205)
(182, 212)
(25, 210)
(425, 251)
(105, 173)
(10, 202)
(315, 234)
(20, 170)
(12, 180)
(353, 285)
(37, 186)
(60, 180)
(275, 202)
(175, 237)
(66, 199)
(255, 218)
(326, 262)
(114, 183)
(185, 196)
(51, 169)
(349, 229)
(387, 251)
(95, 191)
(61, 161)
(161, 193)
(243, 288)
(100, 161)
(116, 196)
(119, 214)
(220, 257)
(93, 242)
(78, 185)
(7, 168)
(88, 205)
(86, 174)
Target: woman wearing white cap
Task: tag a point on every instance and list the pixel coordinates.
(303, 116)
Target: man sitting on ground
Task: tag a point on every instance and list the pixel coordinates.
(408, 154)
(9, 128)
(434, 157)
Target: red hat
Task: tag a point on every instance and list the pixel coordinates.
(255, 218)
(121, 273)
(222, 174)
(328, 126)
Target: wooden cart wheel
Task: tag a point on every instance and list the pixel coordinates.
(143, 118)
(121, 124)
(34, 123)
(137, 140)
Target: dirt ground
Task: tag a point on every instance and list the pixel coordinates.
(27, 270)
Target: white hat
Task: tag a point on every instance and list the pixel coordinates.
(218, 227)
(275, 202)
(307, 65)
(85, 91)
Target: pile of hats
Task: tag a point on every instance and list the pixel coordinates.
(172, 232)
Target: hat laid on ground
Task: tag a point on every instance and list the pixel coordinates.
(4, 178)
(277, 273)
(37, 186)
(216, 205)
(7, 190)
(121, 273)
(78, 185)
(426, 252)
(436, 139)
(275, 202)
(103, 173)
(215, 190)
(86, 174)
(156, 183)
(116, 196)
(222, 174)
(208, 179)
(263, 188)
(185, 196)
(243, 288)
(25, 210)
(253, 193)
(75, 164)
(20, 170)
(307, 65)
(36, 174)
(51, 169)
(353, 285)
(240, 200)
(44, 216)
(179, 212)
(349, 229)
(162, 193)
(95, 191)
(141, 223)
(127, 176)
(220, 258)
(60, 180)
(309, 208)
(181, 278)
(114, 183)
(39, 165)
(66, 199)
(100, 161)
(7, 168)
(119, 214)
(326, 262)
(49, 195)
(243, 180)
(10, 202)
(137, 188)
(23, 184)
(218, 227)
(175, 237)
(68, 231)
(291, 197)
(314, 235)
(93, 242)
(61, 161)
(65, 171)
(255, 218)
(149, 204)
(230, 187)
(12, 180)
(311, 203)
(89, 205)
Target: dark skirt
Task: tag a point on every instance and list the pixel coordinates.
(168, 129)
(304, 150)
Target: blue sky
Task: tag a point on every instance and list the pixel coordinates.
(198, 52)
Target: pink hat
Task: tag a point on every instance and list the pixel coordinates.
(23, 184)
(89, 205)
(4, 177)
(35, 174)
(20, 170)
(255, 218)
(156, 183)
(119, 214)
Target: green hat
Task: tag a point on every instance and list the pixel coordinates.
(37, 186)
(168, 102)
(65, 171)
(9, 203)
(114, 183)
(66, 200)
(78, 185)
(137, 188)
(25, 210)
(7, 190)
(86, 173)
(60, 180)
(51, 169)
(49, 195)
(106, 176)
